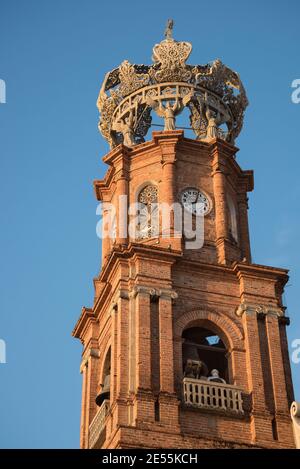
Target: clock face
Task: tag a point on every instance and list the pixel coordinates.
(195, 201)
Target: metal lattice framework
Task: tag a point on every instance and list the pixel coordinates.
(213, 93)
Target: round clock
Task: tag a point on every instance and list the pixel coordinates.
(195, 201)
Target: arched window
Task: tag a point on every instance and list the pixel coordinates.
(204, 355)
(148, 221)
(232, 218)
(105, 380)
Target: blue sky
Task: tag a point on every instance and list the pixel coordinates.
(53, 57)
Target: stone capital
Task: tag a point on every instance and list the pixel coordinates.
(167, 294)
(143, 290)
(259, 310)
(154, 292)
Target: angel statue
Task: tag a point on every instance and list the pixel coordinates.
(168, 112)
(126, 127)
(212, 130)
(214, 121)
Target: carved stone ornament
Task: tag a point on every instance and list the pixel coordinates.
(295, 414)
(213, 93)
(154, 292)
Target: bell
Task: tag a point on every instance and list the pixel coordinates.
(105, 391)
(190, 352)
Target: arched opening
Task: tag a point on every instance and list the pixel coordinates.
(204, 355)
(105, 380)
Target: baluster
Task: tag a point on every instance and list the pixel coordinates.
(197, 394)
(214, 396)
(234, 400)
(206, 395)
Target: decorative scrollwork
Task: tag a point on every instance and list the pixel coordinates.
(171, 56)
(131, 81)
(213, 93)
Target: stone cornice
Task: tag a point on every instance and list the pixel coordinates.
(120, 152)
(87, 316)
(262, 271)
(219, 146)
(169, 138)
(102, 187)
(206, 267)
(133, 249)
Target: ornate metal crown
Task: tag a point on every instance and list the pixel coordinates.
(213, 93)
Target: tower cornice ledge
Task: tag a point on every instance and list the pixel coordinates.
(86, 317)
(257, 270)
(117, 152)
(134, 249)
(218, 145)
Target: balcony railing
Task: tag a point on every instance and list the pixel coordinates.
(212, 395)
(98, 423)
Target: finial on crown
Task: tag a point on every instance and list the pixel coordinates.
(169, 29)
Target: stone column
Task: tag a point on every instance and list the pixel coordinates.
(118, 159)
(121, 201)
(238, 370)
(219, 184)
(113, 367)
(144, 399)
(168, 142)
(167, 188)
(261, 428)
(166, 340)
(121, 310)
(221, 210)
(106, 229)
(168, 402)
(122, 313)
(89, 369)
(143, 336)
(282, 413)
(83, 430)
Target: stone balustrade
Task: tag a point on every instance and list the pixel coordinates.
(211, 395)
(98, 423)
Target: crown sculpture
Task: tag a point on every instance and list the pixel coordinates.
(213, 93)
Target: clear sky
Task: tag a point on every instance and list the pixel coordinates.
(54, 55)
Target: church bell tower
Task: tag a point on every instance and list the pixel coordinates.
(185, 345)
